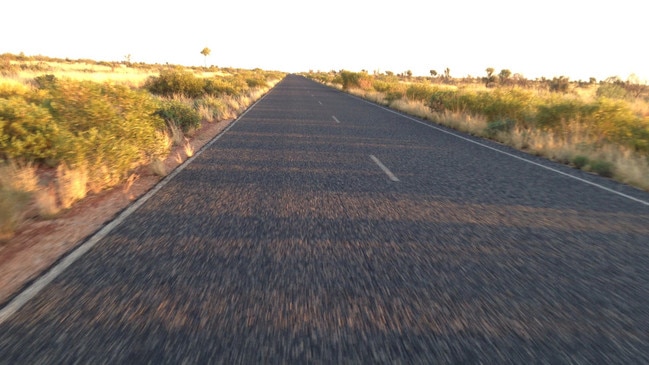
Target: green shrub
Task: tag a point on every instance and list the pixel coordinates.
(420, 92)
(256, 83)
(602, 168)
(513, 104)
(108, 128)
(349, 79)
(553, 114)
(26, 130)
(614, 121)
(180, 114)
(611, 90)
(499, 126)
(443, 100)
(176, 82)
(580, 161)
(225, 86)
(45, 81)
(393, 95)
(382, 86)
(559, 84)
(359, 80)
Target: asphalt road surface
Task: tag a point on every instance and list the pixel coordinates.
(324, 229)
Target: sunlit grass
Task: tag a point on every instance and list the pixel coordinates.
(46, 202)
(97, 122)
(72, 184)
(17, 183)
(18, 177)
(120, 73)
(189, 149)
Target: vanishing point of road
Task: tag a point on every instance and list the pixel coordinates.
(320, 228)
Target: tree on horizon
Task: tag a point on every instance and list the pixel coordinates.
(206, 52)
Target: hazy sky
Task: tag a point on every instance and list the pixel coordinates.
(574, 38)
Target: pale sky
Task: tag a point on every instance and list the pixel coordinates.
(573, 38)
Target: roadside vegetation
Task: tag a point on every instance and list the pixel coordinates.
(601, 127)
(70, 127)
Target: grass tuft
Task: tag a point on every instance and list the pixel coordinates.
(46, 203)
(12, 205)
(72, 184)
(189, 149)
(158, 167)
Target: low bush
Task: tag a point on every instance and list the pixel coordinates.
(27, 130)
(382, 86)
(552, 115)
(602, 167)
(179, 114)
(82, 123)
(443, 100)
(256, 83)
(580, 161)
(611, 90)
(12, 203)
(225, 86)
(359, 80)
(176, 82)
(499, 126)
(420, 92)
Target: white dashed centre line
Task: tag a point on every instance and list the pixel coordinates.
(319, 102)
(336, 119)
(385, 169)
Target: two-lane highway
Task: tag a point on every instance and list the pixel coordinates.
(324, 229)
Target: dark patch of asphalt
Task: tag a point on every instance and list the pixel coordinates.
(285, 243)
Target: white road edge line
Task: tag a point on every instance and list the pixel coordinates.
(385, 169)
(509, 154)
(336, 119)
(32, 290)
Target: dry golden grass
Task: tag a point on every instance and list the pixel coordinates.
(72, 184)
(158, 167)
(16, 186)
(179, 158)
(472, 124)
(18, 177)
(129, 183)
(640, 107)
(120, 74)
(46, 204)
(206, 113)
(12, 204)
(414, 108)
(175, 136)
(189, 149)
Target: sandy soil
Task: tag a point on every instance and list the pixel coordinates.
(39, 243)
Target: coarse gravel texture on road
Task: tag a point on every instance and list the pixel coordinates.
(284, 242)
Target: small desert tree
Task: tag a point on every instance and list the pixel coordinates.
(504, 75)
(206, 52)
(490, 79)
(447, 75)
